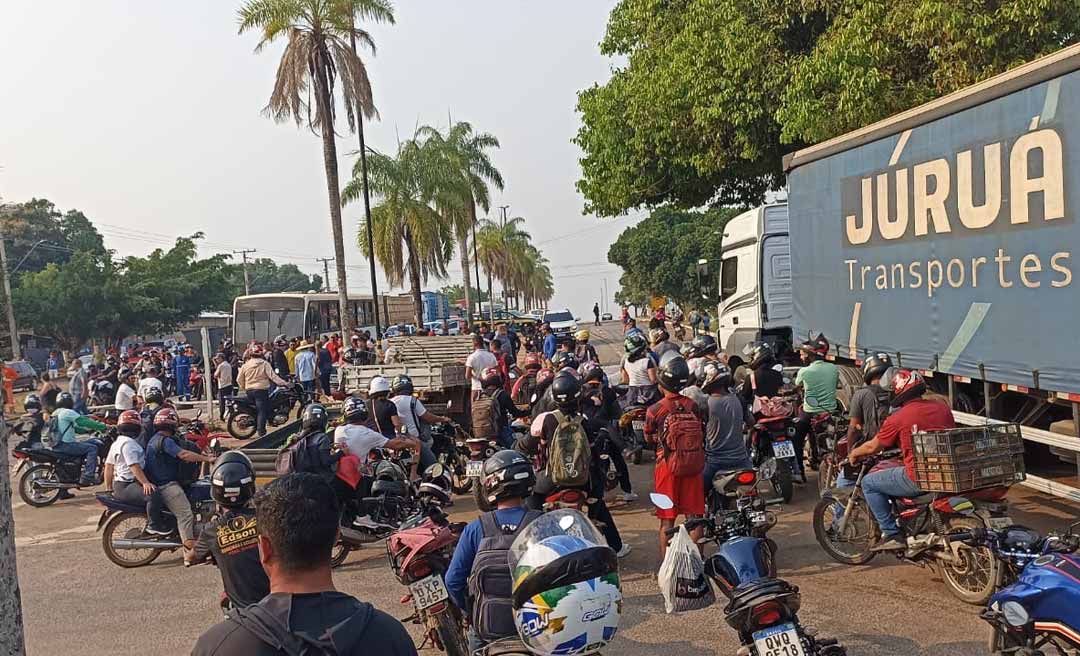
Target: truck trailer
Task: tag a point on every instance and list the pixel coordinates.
(943, 236)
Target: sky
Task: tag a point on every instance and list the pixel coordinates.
(147, 117)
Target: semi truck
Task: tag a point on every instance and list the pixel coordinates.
(943, 236)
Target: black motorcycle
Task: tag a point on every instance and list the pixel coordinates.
(46, 473)
(241, 413)
(373, 518)
(123, 527)
(448, 445)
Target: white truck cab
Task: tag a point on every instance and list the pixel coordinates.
(755, 281)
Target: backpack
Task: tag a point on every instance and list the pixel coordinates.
(291, 458)
(490, 581)
(484, 417)
(568, 456)
(51, 437)
(684, 442)
(187, 472)
(883, 408)
(271, 631)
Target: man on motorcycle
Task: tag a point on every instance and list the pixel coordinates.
(583, 350)
(297, 518)
(638, 371)
(764, 380)
(869, 406)
(914, 413)
(503, 410)
(600, 405)
(662, 344)
(231, 538)
(162, 467)
(34, 417)
(153, 402)
(151, 380)
(255, 377)
(818, 380)
(124, 463)
(125, 394)
(415, 417)
(70, 423)
(278, 359)
(479, 563)
(725, 449)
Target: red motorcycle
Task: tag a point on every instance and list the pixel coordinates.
(419, 553)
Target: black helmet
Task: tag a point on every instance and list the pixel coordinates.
(32, 403)
(635, 345)
(507, 475)
(875, 366)
(354, 409)
(564, 359)
(703, 345)
(591, 372)
(714, 376)
(154, 395)
(232, 480)
(65, 400)
(674, 374)
(761, 355)
(314, 417)
(566, 390)
(401, 384)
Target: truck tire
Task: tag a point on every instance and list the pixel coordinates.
(850, 380)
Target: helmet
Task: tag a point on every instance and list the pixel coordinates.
(354, 409)
(507, 475)
(533, 361)
(65, 400)
(819, 346)
(564, 359)
(129, 423)
(564, 577)
(111, 361)
(378, 385)
(32, 403)
(904, 385)
(232, 480)
(875, 366)
(657, 335)
(166, 418)
(436, 484)
(703, 345)
(281, 341)
(314, 417)
(256, 350)
(760, 353)
(154, 395)
(401, 384)
(590, 371)
(674, 374)
(566, 390)
(635, 345)
(714, 376)
(125, 372)
(491, 377)
(581, 335)
(544, 377)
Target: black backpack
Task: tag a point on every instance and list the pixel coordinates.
(490, 581)
(187, 472)
(883, 408)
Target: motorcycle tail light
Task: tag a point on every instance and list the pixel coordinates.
(765, 614)
(746, 478)
(419, 569)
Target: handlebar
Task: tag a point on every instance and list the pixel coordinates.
(690, 525)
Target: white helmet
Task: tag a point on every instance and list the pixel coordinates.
(378, 384)
(566, 594)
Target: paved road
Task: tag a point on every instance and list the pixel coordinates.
(77, 602)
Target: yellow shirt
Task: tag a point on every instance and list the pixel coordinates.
(290, 355)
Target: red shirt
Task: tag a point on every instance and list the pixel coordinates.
(920, 414)
(333, 347)
(657, 414)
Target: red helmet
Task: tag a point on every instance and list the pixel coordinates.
(128, 423)
(166, 418)
(533, 361)
(818, 346)
(491, 377)
(545, 376)
(904, 384)
(256, 350)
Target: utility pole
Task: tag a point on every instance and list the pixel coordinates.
(9, 306)
(367, 198)
(326, 270)
(247, 280)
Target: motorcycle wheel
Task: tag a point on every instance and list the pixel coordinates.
(826, 474)
(478, 495)
(339, 554)
(449, 633)
(783, 481)
(852, 548)
(31, 493)
(976, 576)
(241, 425)
(459, 482)
(130, 526)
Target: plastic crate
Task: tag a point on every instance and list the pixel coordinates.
(969, 458)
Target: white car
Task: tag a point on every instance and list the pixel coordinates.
(537, 314)
(453, 327)
(562, 323)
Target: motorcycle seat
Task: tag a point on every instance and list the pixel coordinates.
(921, 500)
(106, 499)
(43, 454)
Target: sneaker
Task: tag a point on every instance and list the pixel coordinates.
(365, 521)
(891, 543)
(157, 531)
(64, 494)
(628, 496)
(625, 551)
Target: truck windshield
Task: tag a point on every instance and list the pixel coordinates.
(553, 317)
(729, 277)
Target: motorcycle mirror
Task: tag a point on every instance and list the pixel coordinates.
(450, 404)
(214, 443)
(661, 501)
(566, 522)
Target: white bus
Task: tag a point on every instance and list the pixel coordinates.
(262, 317)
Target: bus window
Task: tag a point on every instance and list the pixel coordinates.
(286, 322)
(729, 277)
(252, 325)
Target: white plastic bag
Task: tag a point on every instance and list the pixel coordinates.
(682, 576)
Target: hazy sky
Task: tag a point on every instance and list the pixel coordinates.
(146, 116)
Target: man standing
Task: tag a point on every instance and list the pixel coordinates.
(297, 516)
(182, 367)
(290, 353)
(325, 360)
(223, 375)
(479, 360)
(596, 313)
(305, 366)
(550, 343)
(78, 386)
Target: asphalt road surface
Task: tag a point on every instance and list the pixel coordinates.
(76, 602)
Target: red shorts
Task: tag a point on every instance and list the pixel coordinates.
(687, 492)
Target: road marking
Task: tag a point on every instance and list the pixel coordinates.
(976, 313)
(853, 332)
(52, 538)
(900, 144)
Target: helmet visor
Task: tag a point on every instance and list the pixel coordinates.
(565, 521)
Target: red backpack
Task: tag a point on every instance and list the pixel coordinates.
(684, 440)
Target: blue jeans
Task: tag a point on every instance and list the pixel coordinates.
(882, 486)
(80, 406)
(506, 437)
(427, 456)
(261, 398)
(87, 450)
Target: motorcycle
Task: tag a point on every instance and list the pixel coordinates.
(46, 473)
(847, 530)
(195, 383)
(772, 452)
(632, 429)
(602, 448)
(826, 429)
(736, 507)
(452, 453)
(104, 393)
(241, 414)
(678, 330)
(392, 500)
(480, 449)
(419, 554)
(761, 608)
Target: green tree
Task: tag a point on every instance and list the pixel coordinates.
(268, 277)
(320, 56)
(455, 292)
(37, 233)
(713, 93)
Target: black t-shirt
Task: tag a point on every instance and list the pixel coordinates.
(505, 408)
(383, 412)
(232, 541)
(767, 382)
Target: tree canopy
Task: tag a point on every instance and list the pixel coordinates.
(37, 233)
(713, 93)
(267, 276)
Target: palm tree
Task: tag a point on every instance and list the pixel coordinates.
(498, 244)
(320, 54)
(411, 238)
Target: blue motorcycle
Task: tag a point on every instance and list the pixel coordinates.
(1038, 612)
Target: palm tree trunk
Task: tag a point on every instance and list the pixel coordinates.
(463, 248)
(414, 281)
(333, 190)
(491, 301)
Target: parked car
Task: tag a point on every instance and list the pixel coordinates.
(453, 327)
(605, 316)
(400, 330)
(28, 377)
(562, 323)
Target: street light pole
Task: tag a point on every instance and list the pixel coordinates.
(247, 280)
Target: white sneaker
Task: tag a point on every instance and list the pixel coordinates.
(625, 551)
(365, 521)
(628, 496)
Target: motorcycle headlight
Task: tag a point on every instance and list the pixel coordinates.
(767, 469)
(1015, 615)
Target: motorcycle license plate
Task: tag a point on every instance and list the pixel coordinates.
(428, 591)
(758, 518)
(638, 424)
(1000, 523)
(783, 449)
(474, 468)
(779, 640)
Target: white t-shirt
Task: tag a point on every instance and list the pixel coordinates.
(123, 453)
(638, 371)
(406, 406)
(479, 360)
(125, 397)
(148, 382)
(360, 440)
